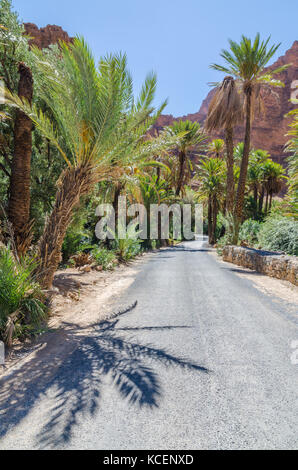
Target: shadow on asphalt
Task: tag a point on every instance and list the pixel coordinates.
(242, 271)
(75, 377)
(183, 249)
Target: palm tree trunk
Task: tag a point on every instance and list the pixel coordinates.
(261, 199)
(74, 183)
(270, 200)
(19, 198)
(244, 165)
(209, 219)
(118, 189)
(266, 203)
(230, 170)
(182, 159)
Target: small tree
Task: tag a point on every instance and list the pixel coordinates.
(193, 138)
(211, 174)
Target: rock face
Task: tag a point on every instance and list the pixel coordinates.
(272, 264)
(270, 126)
(43, 37)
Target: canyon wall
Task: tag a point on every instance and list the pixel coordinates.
(269, 126)
(43, 37)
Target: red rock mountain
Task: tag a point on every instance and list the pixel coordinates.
(269, 127)
(43, 37)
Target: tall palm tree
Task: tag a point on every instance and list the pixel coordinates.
(97, 119)
(211, 174)
(246, 62)
(223, 113)
(193, 137)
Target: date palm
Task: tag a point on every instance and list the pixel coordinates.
(246, 62)
(97, 118)
(223, 113)
(211, 175)
(193, 137)
(216, 147)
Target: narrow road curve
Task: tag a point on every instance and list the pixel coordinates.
(197, 358)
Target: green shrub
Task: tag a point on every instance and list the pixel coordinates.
(249, 231)
(222, 242)
(22, 309)
(103, 257)
(279, 233)
(129, 247)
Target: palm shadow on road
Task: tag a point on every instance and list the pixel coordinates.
(75, 378)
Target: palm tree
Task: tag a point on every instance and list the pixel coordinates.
(216, 147)
(192, 137)
(97, 119)
(19, 191)
(211, 173)
(274, 174)
(246, 62)
(257, 161)
(223, 113)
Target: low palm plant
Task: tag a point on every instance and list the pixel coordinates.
(216, 147)
(21, 301)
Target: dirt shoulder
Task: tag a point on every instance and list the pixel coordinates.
(79, 301)
(278, 288)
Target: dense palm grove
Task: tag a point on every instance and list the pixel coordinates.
(73, 135)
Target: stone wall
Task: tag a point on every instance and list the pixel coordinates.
(265, 262)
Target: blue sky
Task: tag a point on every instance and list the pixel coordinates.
(177, 39)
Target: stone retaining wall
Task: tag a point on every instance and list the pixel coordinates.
(265, 262)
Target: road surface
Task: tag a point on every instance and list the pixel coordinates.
(201, 361)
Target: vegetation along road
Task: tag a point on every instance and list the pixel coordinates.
(202, 360)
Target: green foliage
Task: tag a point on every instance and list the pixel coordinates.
(292, 146)
(246, 60)
(249, 231)
(211, 173)
(103, 257)
(127, 247)
(22, 309)
(279, 233)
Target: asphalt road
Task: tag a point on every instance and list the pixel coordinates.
(201, 362)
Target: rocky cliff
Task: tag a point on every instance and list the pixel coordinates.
(43, 37)
(271, 125)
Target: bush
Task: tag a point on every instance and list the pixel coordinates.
(22, 309)
(103, 257)
(249, 231)
(129, 247)
(279, 233)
